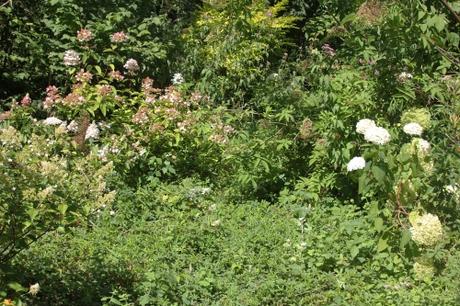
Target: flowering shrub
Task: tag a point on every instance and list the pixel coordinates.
(45, 187)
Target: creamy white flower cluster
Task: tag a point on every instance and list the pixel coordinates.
(372, 132)
(92, 132)
(422, 145)
(71, 58)
(34, 289)
(52, 121)
(177, 79)
(131, 66)
(413, 129)
(454, 190)
(356, 163)
(404, 76)
(426, 230)
(424, 270)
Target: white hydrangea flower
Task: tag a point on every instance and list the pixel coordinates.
(52, 121)
(34, 289)
(454, 191)
(413, 129)
(73, 126)
(71, 58)
(451, 189)
(404, 76)
(423, 146)
(132, 66)
(356, 163)
(377, 135)
(426, 230)
(364, 124)
(177, 79)
(92, 132)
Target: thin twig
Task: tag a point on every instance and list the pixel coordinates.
(400, 210)
(10, 2)
(446, 4)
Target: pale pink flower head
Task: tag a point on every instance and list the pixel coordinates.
(73, 99)
(84, 35)
(105, 90)
(142, 116)
(52, 90)
(119, 37)
(26, 101)
(328, 50)
(84, 76)
(147, 85)
(116, 75)
(52, 95)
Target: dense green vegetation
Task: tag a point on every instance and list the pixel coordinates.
(229, 152)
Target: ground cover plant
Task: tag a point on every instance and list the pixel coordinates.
(229, 152)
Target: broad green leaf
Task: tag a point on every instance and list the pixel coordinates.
(382, 245)
(378, 224)
(379, 174)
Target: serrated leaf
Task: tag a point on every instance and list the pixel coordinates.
(382, 245)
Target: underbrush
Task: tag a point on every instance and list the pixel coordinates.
(192, 248)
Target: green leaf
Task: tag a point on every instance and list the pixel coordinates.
(405, 238)
(362, 184)
(382, 245)
(103, 108)
(378, 224)
(16, 287)
(62, 208)
(379, 174)
(439, 22)
(374, 209)
(354, 251)
(98, 69)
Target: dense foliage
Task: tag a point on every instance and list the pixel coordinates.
(229, 152)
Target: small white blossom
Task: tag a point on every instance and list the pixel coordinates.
(71, 58)
(177, 79)
(34, 289)
(404, 76)
(413, 129)
(454, 191)
(92, 132)
(451, 188)
(363, 125)
(216, 223)
(52, 121)
(423, 146)
(377, 135)
(356, 163)
(73, 126)
(132, 66)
